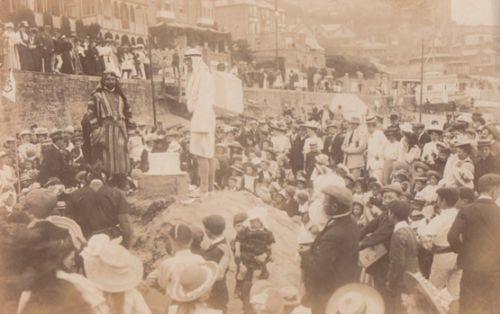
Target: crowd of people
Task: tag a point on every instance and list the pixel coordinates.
(46, 49)
(313, 80)
(410, 209)
(406, 188)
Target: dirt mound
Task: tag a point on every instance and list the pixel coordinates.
(151, 243)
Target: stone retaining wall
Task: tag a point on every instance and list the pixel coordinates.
(52, 100)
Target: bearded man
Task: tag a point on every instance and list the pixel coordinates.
(200, 94)
(105, 128)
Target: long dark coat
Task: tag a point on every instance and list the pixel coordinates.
(334, 255)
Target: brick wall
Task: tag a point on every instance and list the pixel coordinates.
(60, 100)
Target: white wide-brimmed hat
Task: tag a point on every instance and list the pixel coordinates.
(110, 266)
(194, 281)
(356, 298)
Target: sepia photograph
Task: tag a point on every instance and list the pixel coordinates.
(250, 157)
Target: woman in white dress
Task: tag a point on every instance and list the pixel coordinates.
(11, 39)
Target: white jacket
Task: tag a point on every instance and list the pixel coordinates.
(375, 150)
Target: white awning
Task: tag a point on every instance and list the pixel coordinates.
(312, 43)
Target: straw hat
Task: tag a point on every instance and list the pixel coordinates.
(25, 132)
(406, 127)
(110, 266)
(193, 282)
(265, 297)
(434, 128)
(74, 230)
(192, 52)
(41, 131)
(311, 125)
(356, 298)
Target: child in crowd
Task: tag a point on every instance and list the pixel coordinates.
(238, 227)
(253, 246)
(358, 210)
(249, 178)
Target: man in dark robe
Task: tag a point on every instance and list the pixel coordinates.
(105, 129)
(100, 209)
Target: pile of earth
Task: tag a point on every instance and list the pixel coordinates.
(151, 220)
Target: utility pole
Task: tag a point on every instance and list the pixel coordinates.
(153, 102)
(421, 82)
(276, 22)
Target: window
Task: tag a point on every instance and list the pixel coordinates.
(39, 6)
(132, 15)
(116, 10)
(53, 7)
(124, 16)
(88, 7)
(106, 8)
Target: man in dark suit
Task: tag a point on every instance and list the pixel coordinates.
(218, 252)
(334, 253)
(422, 136)
(486, 161)
(56, 161)
(379, 231)
(475, 236)
(332, 147)
(297, 150)
(46, 44)
(403, 255)
(100, 209)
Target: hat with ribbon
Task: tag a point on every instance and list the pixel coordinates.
(110, 266)
(194, 281)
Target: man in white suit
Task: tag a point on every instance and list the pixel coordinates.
(200, 97)
(375, 148)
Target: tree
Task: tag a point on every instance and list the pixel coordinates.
(65, 26)
(241, 51)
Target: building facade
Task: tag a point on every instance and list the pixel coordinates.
(189, 12)
(265, 29)
(121, 19)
